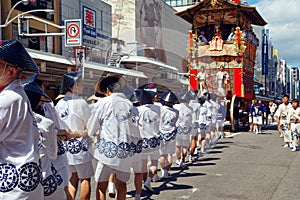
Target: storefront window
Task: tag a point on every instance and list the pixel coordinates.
(37, 4)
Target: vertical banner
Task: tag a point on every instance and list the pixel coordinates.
(79, 55)
(263, 52)
(193, 79)
(267, 53)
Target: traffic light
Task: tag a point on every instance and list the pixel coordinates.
(295, 73)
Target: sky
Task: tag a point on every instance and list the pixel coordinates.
(283, 18)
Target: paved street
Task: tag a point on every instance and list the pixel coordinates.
(244, 166)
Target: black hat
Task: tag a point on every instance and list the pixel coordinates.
(185, 96)
(69, 80)
(29, 84)
(169, 97)
(117, 84)
(135, 97)
(202, 100)
(146, 97)
(151, 88)
(13, 52)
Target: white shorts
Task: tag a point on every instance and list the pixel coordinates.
(182, 142)
(84, 170)
(220, 124)
(167, 147)
(103, 173)
(250, 119)
(137, 164)
(257, 120)
(63, 172)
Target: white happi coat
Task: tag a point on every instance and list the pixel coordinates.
(184, 123)
(195, 105)
(294, 119)
(148, 124)
(75, 112)
(282, 112)
(203, 123)
(221, 114)
(48, 153)
(61, 161)
(168, 119)
(19, 153)
(115, 119)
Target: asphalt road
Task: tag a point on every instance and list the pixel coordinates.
(243, 166)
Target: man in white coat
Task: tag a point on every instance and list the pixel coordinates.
(75, 112)
(281, 118)
(293, 120)
(115, 119)
(19, 157)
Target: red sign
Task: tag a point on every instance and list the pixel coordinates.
(193, 79)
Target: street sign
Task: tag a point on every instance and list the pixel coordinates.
(73, 32)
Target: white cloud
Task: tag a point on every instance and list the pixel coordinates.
(283, 18)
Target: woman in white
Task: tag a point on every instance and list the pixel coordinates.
(115, 119)
(184, 126)
(293, 120)
(19, 157)
(167, 128)
(281, 118)
(75, 113)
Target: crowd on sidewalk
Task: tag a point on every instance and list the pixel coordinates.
(125, 129)
(286, 116)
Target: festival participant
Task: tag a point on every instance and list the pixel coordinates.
(202, 124)
(75, 113)
(48, 140)
(19, 132)
(168, 119)
(257, 119)
(293, 120)
(201, 77)
(116, 121)
(221, 117)
(149, 120)
(184, 126)
(195, 105)
(60, 164)
(281, 118)
(251, 110)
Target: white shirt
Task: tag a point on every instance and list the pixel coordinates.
(61, 161)
(149, 119)
(116, 121)
(214, 111)
(201, 76)
(282, 112)
(75, 112)
(195, 105)
(168, 119)
(221, 111)
(184, 123)
(19, 145)
(293, 115)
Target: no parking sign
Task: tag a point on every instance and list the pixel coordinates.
(73, 33)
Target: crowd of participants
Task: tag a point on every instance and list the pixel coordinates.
(286, 116)
(47, 150)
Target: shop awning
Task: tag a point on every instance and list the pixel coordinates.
(105, 68)
(50, 57)
(142, 59)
